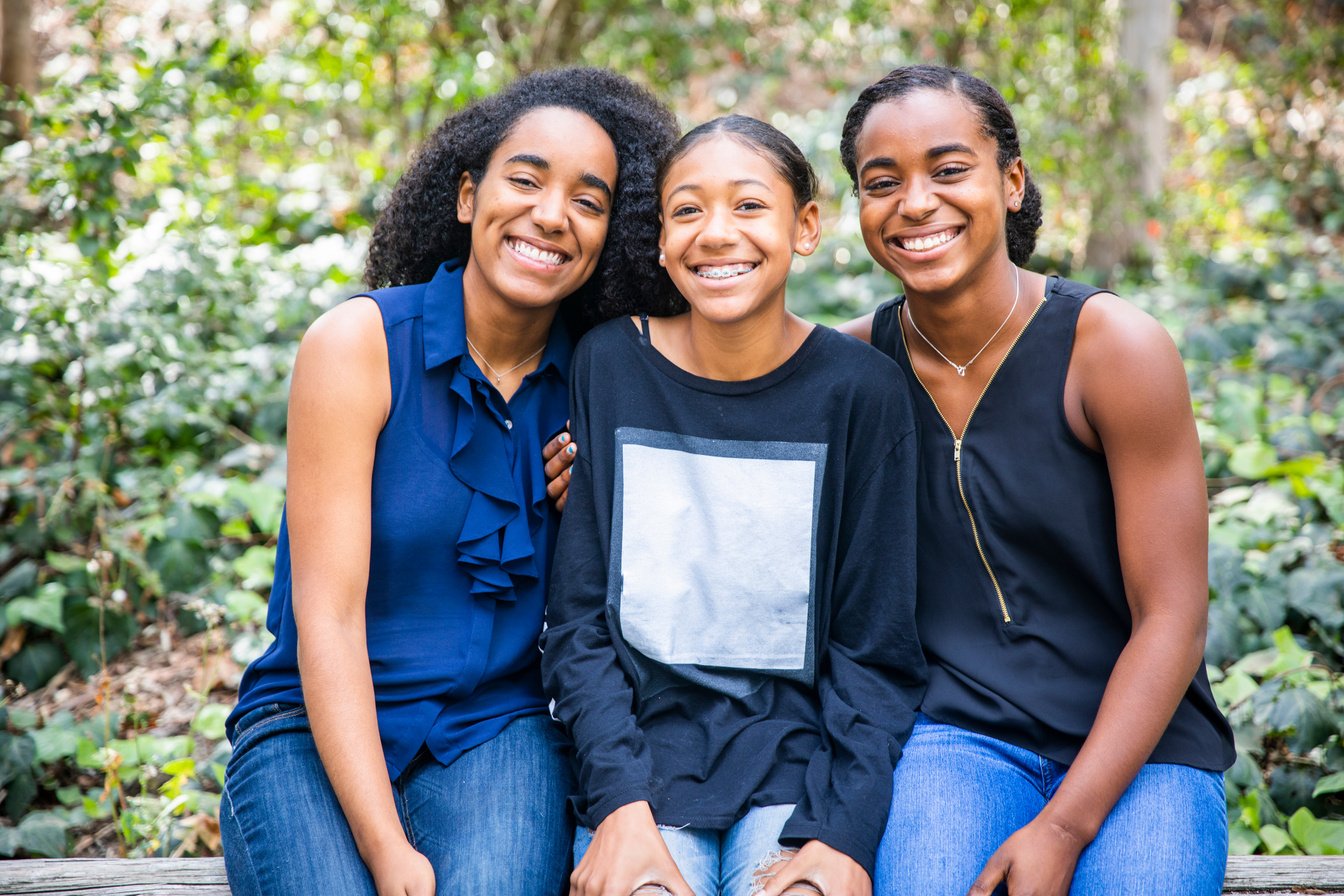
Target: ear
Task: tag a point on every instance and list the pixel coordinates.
(1015, 184)
(466, 198)
(807, 229)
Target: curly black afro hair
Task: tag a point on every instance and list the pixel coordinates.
(418, 230)
(995, 117)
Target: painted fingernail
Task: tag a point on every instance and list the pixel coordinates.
(570, 450)
(564, 437)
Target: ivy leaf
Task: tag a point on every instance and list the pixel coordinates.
(54, 742)
(42, 834)
(19, 795)
(16, 756)
(1296, 713)
(181, 565)
(256, 567)
(22, 579)
(1277, 840)
(209, 721)
(1317, 836)
(1329, 784)
(44, 609)
(35, 663)
(1252, 460)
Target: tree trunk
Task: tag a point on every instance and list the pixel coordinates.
(18, 68)
(1138, 131)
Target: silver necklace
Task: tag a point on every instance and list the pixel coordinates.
(499, 376)
(961, 368)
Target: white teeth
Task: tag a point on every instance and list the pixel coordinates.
(724, 272)
(924, 243)
(527, 250)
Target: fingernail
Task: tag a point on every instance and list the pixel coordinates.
(564, 437)
(570, 450)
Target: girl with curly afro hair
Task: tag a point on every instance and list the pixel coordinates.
(1069, 741)
(394, 737)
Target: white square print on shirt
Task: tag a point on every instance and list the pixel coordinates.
(714, 543)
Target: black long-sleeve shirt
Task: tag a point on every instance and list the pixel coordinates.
(731, 618)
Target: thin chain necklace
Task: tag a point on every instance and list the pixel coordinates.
(961, 368)
(498, 375)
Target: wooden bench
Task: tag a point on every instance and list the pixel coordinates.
(1262, 875)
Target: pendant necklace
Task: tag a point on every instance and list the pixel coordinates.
(498, 375)
(961, 368)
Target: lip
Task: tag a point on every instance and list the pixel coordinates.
(900, 241)
(513, 241)
(695, 267)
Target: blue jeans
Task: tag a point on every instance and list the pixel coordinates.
(718, 863)
(494, 821)
(958, 795)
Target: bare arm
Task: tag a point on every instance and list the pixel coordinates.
(1133, 394)
(339, 401)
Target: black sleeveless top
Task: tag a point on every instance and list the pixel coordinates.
(1021, 602)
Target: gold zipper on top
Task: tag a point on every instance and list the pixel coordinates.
(957, 440)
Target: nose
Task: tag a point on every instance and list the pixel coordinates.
(718, 228)
(918, 200)
(549, 211)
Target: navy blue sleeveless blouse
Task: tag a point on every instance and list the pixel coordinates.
(462, 536)
(1021, 602)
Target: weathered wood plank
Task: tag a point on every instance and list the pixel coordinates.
(1246, 875)
(113, 877)
(1281, 875)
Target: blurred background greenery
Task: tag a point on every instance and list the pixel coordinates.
(185, 185)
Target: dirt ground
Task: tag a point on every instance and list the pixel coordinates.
(155, 688)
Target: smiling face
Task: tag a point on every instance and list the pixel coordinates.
(730, 229)
(932, 198)
(539, 214)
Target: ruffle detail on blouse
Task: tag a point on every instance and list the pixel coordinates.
(495, 545)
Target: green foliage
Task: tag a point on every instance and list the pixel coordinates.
(199, 184)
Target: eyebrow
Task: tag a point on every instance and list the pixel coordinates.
(740, 182)
(933, 153)
(591, 180)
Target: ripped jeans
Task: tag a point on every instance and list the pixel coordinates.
(720, 863)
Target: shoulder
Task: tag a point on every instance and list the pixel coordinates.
(396, 303)
(1130, 376)
(605, 345)
(860, 359)
(874, 383)
(885, 327)
(344, 349)
(1115, 333)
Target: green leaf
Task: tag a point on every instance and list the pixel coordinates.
(19, 795)
(66, 563)
(22, 579)
(35, 663)
(209, 721)
(1252, 460)
(1317, 836)
(1276, 840)
(256, 567)
(54, 742)
(181, 565)
(1242, 841)
(42, 834)
(44, 609)
(245, 606)
(9, 841)
(184, 766)
(1329, 784)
